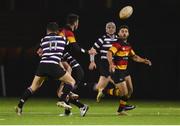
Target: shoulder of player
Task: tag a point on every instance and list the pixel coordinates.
(67, 31)
(116, 44)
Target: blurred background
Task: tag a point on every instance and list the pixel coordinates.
(154, 33)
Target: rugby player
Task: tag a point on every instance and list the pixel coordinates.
(118, 56)
(53, 46)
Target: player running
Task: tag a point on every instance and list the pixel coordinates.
(53, 46)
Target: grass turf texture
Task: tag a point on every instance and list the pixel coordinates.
(44, 111)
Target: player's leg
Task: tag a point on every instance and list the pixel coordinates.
(59, 90)
(69, 83)
(103, 79)
(120, 83)
(102, 83)
(123, 96)
(130, 91)
(129, 85)
(121, 86)
(78, 75)
(67, 111)
(36, 84)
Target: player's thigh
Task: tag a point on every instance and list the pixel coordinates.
(103, 81)
(67, 78)
(37, 82)
(129, 83)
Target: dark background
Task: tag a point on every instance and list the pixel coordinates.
(154, 33)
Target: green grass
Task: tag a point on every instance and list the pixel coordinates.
(44, 111)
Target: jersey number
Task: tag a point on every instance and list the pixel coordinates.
(53, 45)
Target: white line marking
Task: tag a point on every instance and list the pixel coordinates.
(91, 113)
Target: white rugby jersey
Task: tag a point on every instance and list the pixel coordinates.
(53, 47)
(103, 44)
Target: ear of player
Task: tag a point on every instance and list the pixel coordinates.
(125, 12)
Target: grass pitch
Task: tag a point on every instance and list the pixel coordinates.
(44, 111)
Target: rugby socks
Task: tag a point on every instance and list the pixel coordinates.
(112, 91)
(28, 93)
(66, 90)
(122, 103)
(76, 102)
(67, 111)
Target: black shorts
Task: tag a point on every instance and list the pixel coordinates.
(104, 68)
(50, 70)
(119, 75)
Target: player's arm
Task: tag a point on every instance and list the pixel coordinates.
(139, 59)
(97, 45)
(92, 64)
(110, 60)
(93, 50)
(39, 49)
(74, 47)
(110, 54)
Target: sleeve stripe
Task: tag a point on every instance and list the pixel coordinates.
(96, 45)
(100, 40)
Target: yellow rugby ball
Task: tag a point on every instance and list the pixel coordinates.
(125, 12)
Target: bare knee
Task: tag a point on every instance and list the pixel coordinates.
(68, 79)
(102, 83)
(122, 89)
(73, 82)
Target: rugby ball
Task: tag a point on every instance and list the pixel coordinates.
(125, 12)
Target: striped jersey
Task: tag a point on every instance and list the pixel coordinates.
(53, 46)
(103, 44)
(121, 52)
(70, 60)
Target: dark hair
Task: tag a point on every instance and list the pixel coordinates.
(52, 26)
(123, 26)
(71, 18)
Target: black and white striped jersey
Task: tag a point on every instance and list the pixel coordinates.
(70, 60)
(53, 47)
(103, 44)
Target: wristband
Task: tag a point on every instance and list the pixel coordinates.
(92, 58)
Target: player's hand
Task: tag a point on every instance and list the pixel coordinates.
(39, 52)
(92, 66)
(148, 62)
(92, 51)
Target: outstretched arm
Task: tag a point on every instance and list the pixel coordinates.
(139, 59)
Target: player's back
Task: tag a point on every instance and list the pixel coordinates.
(53, 46)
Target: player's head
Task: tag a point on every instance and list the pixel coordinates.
(110, 28)
(52, 27)
(123, 32)
(73, 20)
